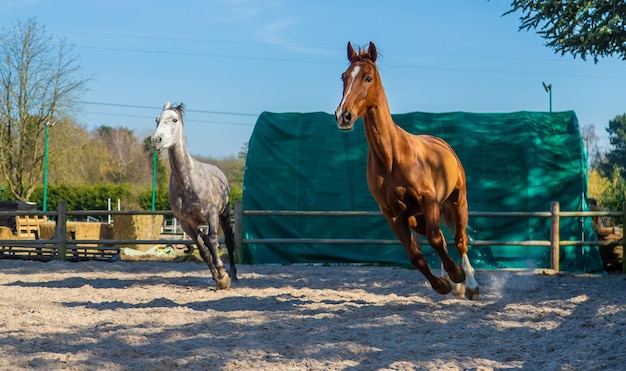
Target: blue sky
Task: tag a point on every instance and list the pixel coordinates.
(230, 60)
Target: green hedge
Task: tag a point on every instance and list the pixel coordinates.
(96, 196)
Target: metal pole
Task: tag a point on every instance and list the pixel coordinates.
(550, 98)
(548, 89)
(45, 167)
(154, 175)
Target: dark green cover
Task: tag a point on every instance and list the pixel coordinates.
(519, 161)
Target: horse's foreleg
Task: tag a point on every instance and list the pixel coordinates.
(401, 229)
(229, 239)
(212, 243)
(472, 290)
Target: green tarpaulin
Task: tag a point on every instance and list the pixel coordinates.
(515, 162)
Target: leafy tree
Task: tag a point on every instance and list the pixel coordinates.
(614, 194)
(617, 139)
(593, 28)
(38, 83)
(77, 158)
(597, 186)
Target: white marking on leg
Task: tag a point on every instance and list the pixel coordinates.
(458, 289)
(470, 281)
(355, 72)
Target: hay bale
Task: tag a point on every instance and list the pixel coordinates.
(137, 227)
(7, 234)
(47, 230)
(90, 231)
(78, 231)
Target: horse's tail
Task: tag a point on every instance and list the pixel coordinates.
(448, 215)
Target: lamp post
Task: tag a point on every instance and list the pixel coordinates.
(48, 124)
(548, 88)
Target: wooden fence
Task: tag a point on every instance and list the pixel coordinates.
(63, 247)
(555, 214)
(59, 245)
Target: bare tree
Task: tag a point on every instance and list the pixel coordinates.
(594, 153)
(129, 162)
(38, 84)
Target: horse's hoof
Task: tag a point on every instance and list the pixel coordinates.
(458, 275)
(472, 294)
(445, 289)
(223, 283)
(458, 289)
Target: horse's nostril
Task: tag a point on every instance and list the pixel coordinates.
(347, 117)
(159, 140)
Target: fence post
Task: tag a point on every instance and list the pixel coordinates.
(62, 230)
(238, 231)
(623, 225)
(554, 236)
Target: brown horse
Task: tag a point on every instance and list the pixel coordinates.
(415, 179)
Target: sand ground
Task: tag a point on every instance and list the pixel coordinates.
(168, 316)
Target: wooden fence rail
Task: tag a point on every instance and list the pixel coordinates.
(60, 242)
(554, 243)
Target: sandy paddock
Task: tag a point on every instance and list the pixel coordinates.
(168, 316)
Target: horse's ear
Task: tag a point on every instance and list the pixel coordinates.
(372, 51)
(181, 107)
(167, 105)
(351, 53)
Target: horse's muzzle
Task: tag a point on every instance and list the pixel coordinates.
(344, 120)
(156, 144)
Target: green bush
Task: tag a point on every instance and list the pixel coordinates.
(614, 194)
(83, 197)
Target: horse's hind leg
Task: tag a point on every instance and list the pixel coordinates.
(229, 239)
(460, 215)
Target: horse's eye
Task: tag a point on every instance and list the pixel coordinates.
(368, 78)
(175, 119)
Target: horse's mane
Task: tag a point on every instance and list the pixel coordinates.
(180, 108)
(363, 54)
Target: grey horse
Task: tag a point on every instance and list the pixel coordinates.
(198, 194)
